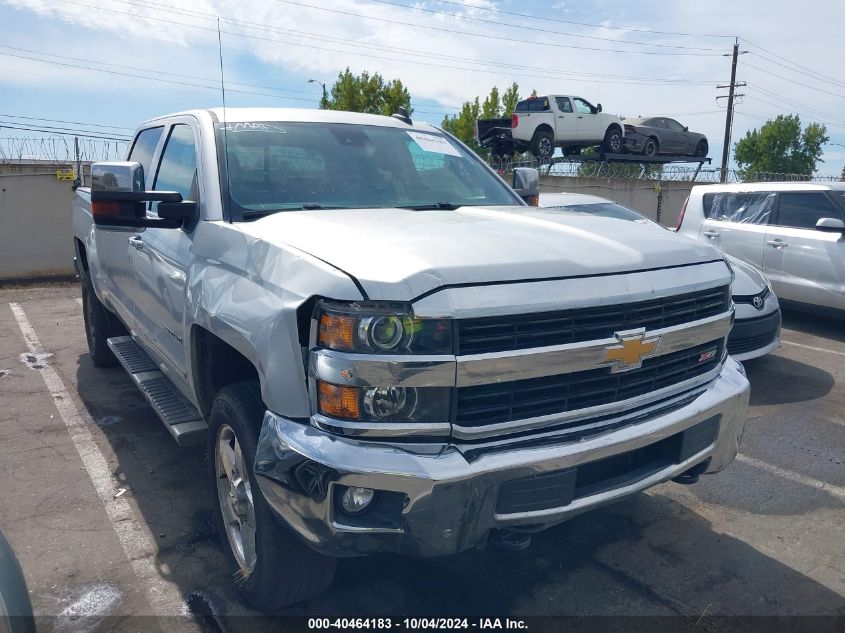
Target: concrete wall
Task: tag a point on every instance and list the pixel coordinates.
(640, 195)
(35, 229)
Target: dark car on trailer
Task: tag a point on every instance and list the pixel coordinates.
(660, 135)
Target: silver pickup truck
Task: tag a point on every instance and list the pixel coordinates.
(385, 348)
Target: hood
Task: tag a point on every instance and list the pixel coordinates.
(748, 281)
(399, 254)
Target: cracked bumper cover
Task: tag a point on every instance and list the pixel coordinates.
(449, 502)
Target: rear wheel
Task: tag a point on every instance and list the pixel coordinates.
(651, 148)
(701, 149)
(271, 566)
(100, 325)
(542, 145)
(613, 142)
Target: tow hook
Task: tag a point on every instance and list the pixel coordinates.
(509, 540)
(689, 477)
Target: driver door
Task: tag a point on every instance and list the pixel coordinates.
(159, 256)
(590, 127)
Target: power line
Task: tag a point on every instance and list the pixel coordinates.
(537, 29)
(562, 21)
(489, 36)
(798, 83)
(62, 131)
(797, 65)
(415, 52)
(804, 106)
(32, 118)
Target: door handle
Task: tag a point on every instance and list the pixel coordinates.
(711, 234)
(580, 117)
(137, 243)
(777, 243)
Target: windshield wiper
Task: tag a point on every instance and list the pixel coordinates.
(306, 206)
(441, 206)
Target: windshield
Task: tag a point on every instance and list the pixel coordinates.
(604, 209)
(276, 166)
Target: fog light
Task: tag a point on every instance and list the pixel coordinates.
(356, 500)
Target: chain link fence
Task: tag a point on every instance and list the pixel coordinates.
(648, 171)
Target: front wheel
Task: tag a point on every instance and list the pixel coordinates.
(542, 145)
(701, 149)
(100, 325)
(613, 141)
(271, 566)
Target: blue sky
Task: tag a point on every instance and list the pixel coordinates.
(50, 50)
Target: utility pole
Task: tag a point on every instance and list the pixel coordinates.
(729, 117)
(79, 179)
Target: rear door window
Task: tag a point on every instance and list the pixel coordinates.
(564, 104)
(801, 210)
(742, 207)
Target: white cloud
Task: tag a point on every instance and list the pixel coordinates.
(148, 36)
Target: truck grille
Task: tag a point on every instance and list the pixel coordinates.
(478, 406)
(514, 332)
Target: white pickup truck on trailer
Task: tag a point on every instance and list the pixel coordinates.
(540, 124)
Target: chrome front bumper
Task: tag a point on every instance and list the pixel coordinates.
(447, 503)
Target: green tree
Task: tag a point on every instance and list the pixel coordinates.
(780, 146)
(510, 99)
(368, 93)
(462, 125)
(495, 105)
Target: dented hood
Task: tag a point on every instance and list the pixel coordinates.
(400, 254)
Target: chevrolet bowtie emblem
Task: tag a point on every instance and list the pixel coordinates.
(632, 349)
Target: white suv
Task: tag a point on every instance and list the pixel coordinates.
(793, 232)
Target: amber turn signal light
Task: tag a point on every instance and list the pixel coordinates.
(336, 332)
(338, 402)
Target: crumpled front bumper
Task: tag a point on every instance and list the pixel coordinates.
(446, 503)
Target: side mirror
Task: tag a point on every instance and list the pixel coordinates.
(118, 197)
(598, 107)
(830, 225)
(526, 183)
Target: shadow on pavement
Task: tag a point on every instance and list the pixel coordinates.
(649, 555)
(822, 324)
(780, 380)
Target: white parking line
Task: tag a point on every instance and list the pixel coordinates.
(835, 491)
(79, 300)
(163, 597)
(815, 349)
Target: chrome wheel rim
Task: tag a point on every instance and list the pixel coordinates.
(234, 494)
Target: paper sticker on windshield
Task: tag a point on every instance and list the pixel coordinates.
(435, 144)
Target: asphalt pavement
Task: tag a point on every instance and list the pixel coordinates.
(110, 519)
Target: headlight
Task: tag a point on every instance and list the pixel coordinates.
(375, 328)
(425, 405)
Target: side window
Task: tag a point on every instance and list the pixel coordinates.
(177, 170)
(743, 207)
(673, 125)
(582, 107)
(802, 210)
(539, 105)
(523, 106)
(564, 104)
(144, 147)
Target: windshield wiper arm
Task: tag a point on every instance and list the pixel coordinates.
(305, 206)
(442, 206)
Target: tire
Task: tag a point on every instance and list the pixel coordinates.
(701, 149)
(15, 607)
(613, 142)
(283, 570)
(100, 325)
(543, 144)
(651, 147)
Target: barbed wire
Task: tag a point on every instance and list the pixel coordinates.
(648, 171)
(60, 149)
